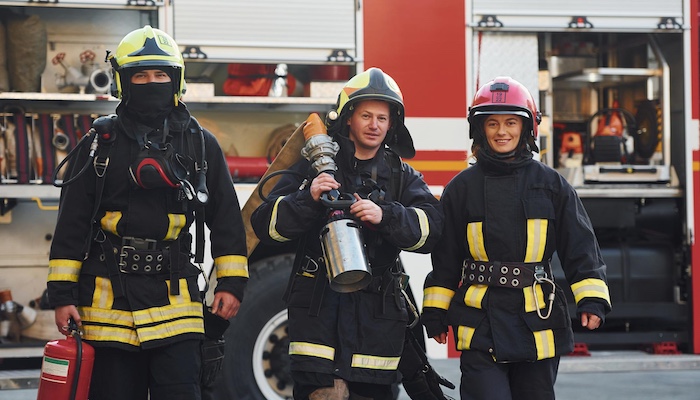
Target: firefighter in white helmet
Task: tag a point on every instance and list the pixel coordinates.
(120, 261)
(350, 343)
(492, 281)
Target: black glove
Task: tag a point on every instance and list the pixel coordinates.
(425, 385)
(213, 347)
(434, 321)
(420, 380)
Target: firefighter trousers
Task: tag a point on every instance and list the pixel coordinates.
(485, 379)
(168, 373)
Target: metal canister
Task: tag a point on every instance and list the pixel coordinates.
(346, 257)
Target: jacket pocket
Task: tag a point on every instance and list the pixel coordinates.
(302, 290)
(558, 319)
(538, 206)
(389, 307)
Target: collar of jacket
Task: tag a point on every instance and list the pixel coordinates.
(492, 164)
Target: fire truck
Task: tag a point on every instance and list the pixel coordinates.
(616, 81)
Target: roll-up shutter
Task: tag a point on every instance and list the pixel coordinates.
(267, 30)
(595, 15)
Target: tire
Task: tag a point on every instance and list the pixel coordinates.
(256, 362)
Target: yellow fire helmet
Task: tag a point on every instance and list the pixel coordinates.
(147, 47)
(374, 84)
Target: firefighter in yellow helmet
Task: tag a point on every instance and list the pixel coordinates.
(349, 343)
(121, 261)
(492, 280)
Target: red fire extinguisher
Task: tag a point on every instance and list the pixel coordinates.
(66, 369)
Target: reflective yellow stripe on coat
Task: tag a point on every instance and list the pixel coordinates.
(375, 362)
(64, 270)
(227, 266)
(311, 350)
(424, 229)
(437, 297)
(590, 287)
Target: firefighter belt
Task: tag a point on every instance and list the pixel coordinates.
(514, 275)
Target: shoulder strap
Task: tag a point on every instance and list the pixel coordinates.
(200, 179)
(397, 168)
(104, 129)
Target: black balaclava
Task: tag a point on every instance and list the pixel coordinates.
(150, 103)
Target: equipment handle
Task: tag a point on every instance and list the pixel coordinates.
(336, 200)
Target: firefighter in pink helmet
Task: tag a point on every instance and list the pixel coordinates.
(505, 217)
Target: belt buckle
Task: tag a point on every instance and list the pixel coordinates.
(139, 243)
(122, 258)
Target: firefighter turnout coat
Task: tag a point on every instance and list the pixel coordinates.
(492, 279)
(130, 274)
(356, 336)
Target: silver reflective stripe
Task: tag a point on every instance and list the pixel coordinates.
(312, 350)
(272, 229)
(424, 229)
(375, 362)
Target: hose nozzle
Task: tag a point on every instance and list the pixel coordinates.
(319, 148)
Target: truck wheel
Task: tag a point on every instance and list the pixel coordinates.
(256, 362)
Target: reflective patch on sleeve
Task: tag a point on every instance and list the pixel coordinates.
(544, 341)
(591, 287)
(272, 228)
(311, 350)
(437, 297)
(475, 238)
(464, 337)
(227, 266)
(475, 295)
(424, 229)
(375, 362)
(64, 270)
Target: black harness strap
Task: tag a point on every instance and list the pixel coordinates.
(397, 178)
(175, 264)
(111, 260)
(100, 163)
(296, 267)
(195, 128)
